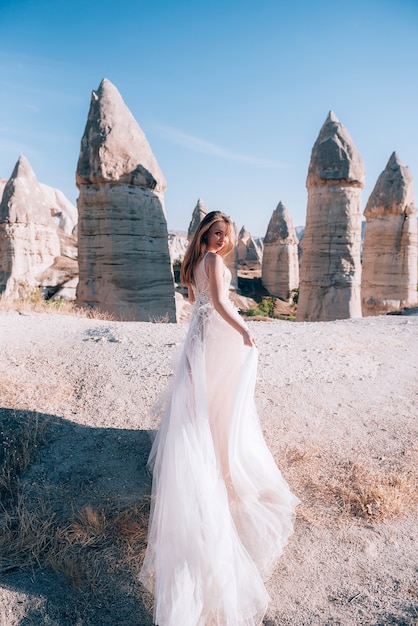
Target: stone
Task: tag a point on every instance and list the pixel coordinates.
(124, 260)
(183, 308)
(280, 267)
(249, 252)
(57, 275)
(63, 213)
(36, 225)
(389, 278)
(335, 159)
(177, 245)
(67, 290)
(114, 148)
(330, 266)
(198, 214)
(3, 183)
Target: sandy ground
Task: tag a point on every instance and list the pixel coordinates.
(338, 406)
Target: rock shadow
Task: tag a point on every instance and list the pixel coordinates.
(71, 469)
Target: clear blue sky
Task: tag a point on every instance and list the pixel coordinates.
(230, 93)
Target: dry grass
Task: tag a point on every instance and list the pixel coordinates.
(332, 486)
(366, 491)
(34, 303)
(100, 539)
(19, 440)
(159, 319)
(37, 531)
(36, 534)
(26, 535)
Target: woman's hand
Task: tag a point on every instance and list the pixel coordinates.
(248, 337)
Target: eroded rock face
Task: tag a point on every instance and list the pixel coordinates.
(249, 253)
(114, 148)
(3, 182)
(124, 259)
(198, 214)
(389, 280)
(280, 268)
(177, 245)
(330, 269)
(36, 225)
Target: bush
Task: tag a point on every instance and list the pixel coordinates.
(293, 295)
(264, 309)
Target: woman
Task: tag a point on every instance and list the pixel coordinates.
(221, 511)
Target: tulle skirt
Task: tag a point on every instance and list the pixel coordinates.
(221, 512)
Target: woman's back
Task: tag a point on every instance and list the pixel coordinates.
(201, 287)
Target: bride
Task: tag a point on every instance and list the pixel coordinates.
(221, 511)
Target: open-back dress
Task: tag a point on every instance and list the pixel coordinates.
(221, 511)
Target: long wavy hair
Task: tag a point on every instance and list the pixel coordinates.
(198, 245)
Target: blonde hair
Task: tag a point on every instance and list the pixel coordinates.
(198, 245)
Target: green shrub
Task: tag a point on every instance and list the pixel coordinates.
(293, 295)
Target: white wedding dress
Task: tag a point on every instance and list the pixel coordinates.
(221, 511)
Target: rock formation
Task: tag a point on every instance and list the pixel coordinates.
(280, 267)
(249, 253)
(124, 260)
(389, 278)
(3, 183)
(37, 247)
(330, 272)
(177, 245)
(198, 214)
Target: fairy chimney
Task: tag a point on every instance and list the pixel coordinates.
(330, 270)
(249, 253)
(280, 267)
(3, 183)
(124, 259)
(37, 248)
(198, 214)
(389, 279)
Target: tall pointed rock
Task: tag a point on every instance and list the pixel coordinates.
(22, 200)
(114, 148)
(334, 159)
(249, 253)
(330, 269)
(32, 233)
(198, 214)
(389, 279)
(124, 259)
(3, 182)
(280, 267)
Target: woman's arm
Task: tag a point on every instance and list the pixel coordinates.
(215, 272)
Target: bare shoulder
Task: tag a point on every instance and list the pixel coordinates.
(213, 260)
(214, 265)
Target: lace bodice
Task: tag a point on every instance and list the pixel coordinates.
(201, 288)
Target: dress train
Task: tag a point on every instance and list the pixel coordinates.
(221, 512)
